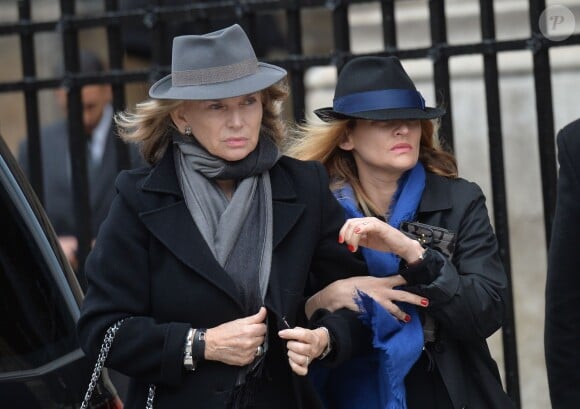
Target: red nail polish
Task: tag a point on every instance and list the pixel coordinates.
(340, 239)
(424, 302)
(407, 318)
(350, 248)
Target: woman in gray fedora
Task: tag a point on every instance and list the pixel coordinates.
(206, 255)
(436, 290)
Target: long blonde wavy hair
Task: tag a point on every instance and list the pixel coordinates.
(150, 126)
(320, 141)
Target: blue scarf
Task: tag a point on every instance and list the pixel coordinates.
(377, 380)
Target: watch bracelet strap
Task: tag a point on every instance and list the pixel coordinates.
(188, 361)
(328, 348)
(198, 346)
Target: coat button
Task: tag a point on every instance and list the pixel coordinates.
(439, 347)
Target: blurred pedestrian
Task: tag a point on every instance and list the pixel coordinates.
(562, 320)
(100, 136)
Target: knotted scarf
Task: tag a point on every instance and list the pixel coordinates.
(238, 231)
(376, 380)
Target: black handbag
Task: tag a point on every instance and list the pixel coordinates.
(439, 239)
(434, 237)
(104, 352)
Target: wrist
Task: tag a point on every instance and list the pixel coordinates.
(311, 305)
(415, 254)
(327, 342)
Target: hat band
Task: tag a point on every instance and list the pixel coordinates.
(204, 76)
(382, 99)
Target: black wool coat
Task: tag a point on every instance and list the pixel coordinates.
(151, 263)
(562, 323)
(466, 294)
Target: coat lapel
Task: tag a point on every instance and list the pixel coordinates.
(287, 212)
(169, 221)
(285, 208)
(437, 194)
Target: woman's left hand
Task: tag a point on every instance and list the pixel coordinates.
(304, 345)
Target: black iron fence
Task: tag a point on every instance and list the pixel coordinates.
(158, 20)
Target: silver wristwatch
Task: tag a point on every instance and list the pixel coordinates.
(188, 361)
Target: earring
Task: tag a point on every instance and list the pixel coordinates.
(187, 131)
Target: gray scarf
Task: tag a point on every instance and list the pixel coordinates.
(238, 231)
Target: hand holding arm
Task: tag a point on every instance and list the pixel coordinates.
(342, 294)
(304, 345)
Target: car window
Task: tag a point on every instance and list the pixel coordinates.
(37, 324)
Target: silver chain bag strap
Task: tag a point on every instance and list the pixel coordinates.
(105, 347)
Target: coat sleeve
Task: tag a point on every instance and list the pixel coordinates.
(332, 261)
(562, 323)
(119, 287)
(466, 294)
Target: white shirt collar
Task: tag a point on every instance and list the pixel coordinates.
(100, 134)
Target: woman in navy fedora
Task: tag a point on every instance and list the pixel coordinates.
(433, 295)
(206, 254)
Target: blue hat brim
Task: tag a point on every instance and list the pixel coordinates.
(329, 114)
(266, 76)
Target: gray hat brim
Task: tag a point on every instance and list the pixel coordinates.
(266, 75)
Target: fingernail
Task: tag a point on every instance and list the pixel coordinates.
(407, 318)
(340, 239)
(350, 248)
(424, 302)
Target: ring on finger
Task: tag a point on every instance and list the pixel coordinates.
(260, 350)
(307, 360)
(365, 223)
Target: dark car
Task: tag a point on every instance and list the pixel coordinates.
(41, 363)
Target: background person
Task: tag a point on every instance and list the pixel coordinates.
(562, 321)
(101, 159)
(430, 314)
(208, 253)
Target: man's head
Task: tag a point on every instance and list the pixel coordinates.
(94, 97)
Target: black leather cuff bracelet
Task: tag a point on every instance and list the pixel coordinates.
(198, 347)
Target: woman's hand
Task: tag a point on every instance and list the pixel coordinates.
(342, 294)
(375, 234)
(304, 345)
(236, 342)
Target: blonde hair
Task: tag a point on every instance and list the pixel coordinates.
(320, 141)
(150, 126)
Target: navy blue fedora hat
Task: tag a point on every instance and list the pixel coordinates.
(216, 65)
(376, 88)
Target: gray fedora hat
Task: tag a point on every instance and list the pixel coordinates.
(217, 65)
(376, 88)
